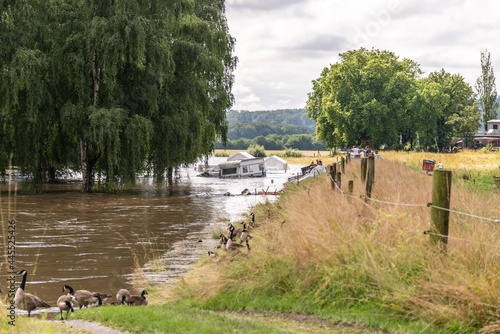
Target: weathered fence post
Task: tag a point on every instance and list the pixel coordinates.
(342, 165)
(441, 191)
(350, 186)
(363, 168)
(339, 180)
(370, 174)
(333, 174)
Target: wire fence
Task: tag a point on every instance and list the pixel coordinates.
(429, 205)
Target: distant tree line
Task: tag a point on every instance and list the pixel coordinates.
(251, 130)
(304, 142)
(281, 116)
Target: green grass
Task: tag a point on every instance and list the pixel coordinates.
(183, 318)
(171, 319)
(373, 314)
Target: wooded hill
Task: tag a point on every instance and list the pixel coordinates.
(273, 129)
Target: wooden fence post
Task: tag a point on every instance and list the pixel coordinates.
(441, 191)
(363, 168)
(333, 174)
(370, 176)
(350, 186)
(342, 165)
(339, 180)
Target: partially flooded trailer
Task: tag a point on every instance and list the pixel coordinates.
(243, 168)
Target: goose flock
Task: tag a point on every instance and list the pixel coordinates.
(84, 298)
(230, 243)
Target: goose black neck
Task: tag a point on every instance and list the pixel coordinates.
(253, 218)
(71, 291)
(100, 300)
(143, 293)
(23, 284)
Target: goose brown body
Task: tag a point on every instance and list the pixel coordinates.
(136, 300)
(82, 297)
(123, 296)
(64, 304)
(27, 301)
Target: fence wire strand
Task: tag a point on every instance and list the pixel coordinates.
(417, 205)
(461, 239)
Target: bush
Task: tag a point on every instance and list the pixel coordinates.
(221, 154)
(292, 153)
(257, 151)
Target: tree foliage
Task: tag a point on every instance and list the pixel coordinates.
(486, 89)
(373, 96)
(113, 85)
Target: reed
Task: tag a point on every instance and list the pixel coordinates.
(336, 252)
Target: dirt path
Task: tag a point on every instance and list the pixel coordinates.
(92, 327)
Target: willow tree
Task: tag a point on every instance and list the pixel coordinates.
(126, 83)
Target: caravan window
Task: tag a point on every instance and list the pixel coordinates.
(261, 166)
(245, 169)
(229, 171)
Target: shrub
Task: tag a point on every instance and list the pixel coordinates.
(292, 153)
(221, 154)
(257, 151)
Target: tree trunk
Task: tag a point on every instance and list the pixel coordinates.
(170, 179)
(86, 166)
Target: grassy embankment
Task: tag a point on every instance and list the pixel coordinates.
(342, 259)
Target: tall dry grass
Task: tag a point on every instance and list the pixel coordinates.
(335, 248)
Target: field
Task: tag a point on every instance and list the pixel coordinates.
(474, 166)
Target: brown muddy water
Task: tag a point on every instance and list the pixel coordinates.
(95, 241)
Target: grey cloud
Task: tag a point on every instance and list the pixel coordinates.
(323, 43)
(403, 10)
(317, 46)
(263, 5)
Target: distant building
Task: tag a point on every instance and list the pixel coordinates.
(490, 136)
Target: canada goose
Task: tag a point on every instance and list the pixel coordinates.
(230, 245)
(27, 301)
(123, 296)
(136, 300)
(101, 295)
(232, 232)
(211, 254)
(99, 301)
(252, 224)
(64, 304)
(244, 234)
(83, 297)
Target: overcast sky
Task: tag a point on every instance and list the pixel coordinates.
(283, 45)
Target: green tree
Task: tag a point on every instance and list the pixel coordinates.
(113, 85)
(363, 97)
(460, 115)
(486, 89)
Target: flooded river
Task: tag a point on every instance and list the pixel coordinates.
(93, 241)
